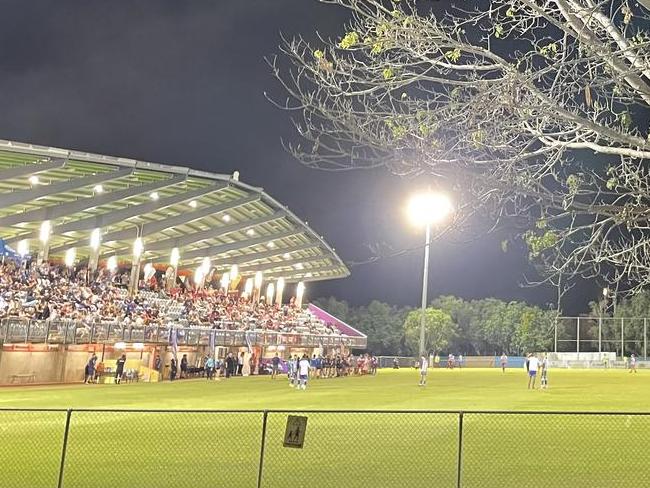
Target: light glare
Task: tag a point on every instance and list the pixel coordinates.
(429, 208)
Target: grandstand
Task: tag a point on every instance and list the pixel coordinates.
(199, 261)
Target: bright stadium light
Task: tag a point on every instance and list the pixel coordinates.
(193, 204)
(175, 257)
(250, 232)
(248, 287)
(258, 280)
(23, 248)
(33, 180)
(95, 239)
(605, 292)
(226, 218)
(279, 290)
(286, 255)
(206, 264)
(270, 291)
(300, 293)
(234, 272)
(138, 247)
(225, 281)
(111, 264)
(99, 189)
(154, 196)
(271, 245)
(46, 229)
(199, 274)
(427, 209)
(70, 256)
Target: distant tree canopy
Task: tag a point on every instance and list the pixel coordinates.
(476, 327)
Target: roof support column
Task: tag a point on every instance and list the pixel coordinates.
(136, 261)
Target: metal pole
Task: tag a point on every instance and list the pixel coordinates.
(65, 447)
(600, 334)
(425, 280)
(460, 450)
(645, 338)
(555, 340)
(261, 466)
(622, 338)
(578, 337)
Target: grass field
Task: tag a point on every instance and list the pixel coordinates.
(128, 449)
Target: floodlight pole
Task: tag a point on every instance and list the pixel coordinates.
(425, 280)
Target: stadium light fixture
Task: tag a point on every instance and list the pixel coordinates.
(154, 195)
(46, 229)
(206, 264)
(95, 239)
(300, 293)
(23, 248)
(250, 232)
(605, 292)
(271, 245)
(226, 218)
(111, 264)
(70, 256)
(248, 287)
(33, 180)
(427, 209)
(270, 292)
(234, 272)
(286, 255)
(199, 274)
(225, 281)
(279, 290)
(193, 204)
(99, 189)
(258, 280)
(138, 247)
(175, 257)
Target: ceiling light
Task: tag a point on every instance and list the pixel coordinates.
(286, 255)
(250, 232)
(154, 195)
(33, 180)
(226, 218)
(99, 189)
(193, 204)
(271, 245)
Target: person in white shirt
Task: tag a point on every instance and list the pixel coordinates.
(544, 379)
(303, 371)
(424, 369)
(533, 366)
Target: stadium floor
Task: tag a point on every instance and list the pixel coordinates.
(467, 389)
(156, 449)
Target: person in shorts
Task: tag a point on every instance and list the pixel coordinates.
(533, 366)
(303, 372)
(633, 363)
(544, 378)
(424, 369)
(275, 366)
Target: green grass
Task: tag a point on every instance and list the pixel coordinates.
(127, 449)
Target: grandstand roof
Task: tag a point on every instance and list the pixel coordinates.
(200, 213)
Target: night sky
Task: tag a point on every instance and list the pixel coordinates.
(183, 82)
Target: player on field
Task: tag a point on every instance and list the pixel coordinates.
(533, 366)
(424, 369)
(504, 362)
(633, 363)
(544, 378)
(303, 371)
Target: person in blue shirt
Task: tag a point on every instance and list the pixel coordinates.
(209, 367)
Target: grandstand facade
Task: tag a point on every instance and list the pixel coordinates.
(161, 228)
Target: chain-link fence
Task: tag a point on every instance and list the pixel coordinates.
(127, 448)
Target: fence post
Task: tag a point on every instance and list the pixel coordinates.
(261, 466)
(645, 338)
(555, 338)
(578, 338)
(600, 334)
(65, 447)
(622, 338)
(460, 449)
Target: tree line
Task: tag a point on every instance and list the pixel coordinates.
(470, 327)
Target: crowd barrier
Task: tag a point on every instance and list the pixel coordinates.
(51, 448)
(69, 332)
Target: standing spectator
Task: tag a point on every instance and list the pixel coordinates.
(90, 370)
(240, 364)
(460, 361)
(436, 360)
(184, 366)
(209, 367)
(544, 379)
(173, 370)
(633, 363)
(424, 369)
(230, 365)
(395, 363)
(275, 365)
(157, 363)
(119, 369)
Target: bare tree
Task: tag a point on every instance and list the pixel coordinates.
(533, 110)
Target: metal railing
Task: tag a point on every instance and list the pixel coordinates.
(71, 332)
(623, 335)
(126, 448)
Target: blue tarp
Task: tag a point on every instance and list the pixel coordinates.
(7, 251)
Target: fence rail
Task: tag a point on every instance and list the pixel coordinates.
(14, 331)
(163, 448)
